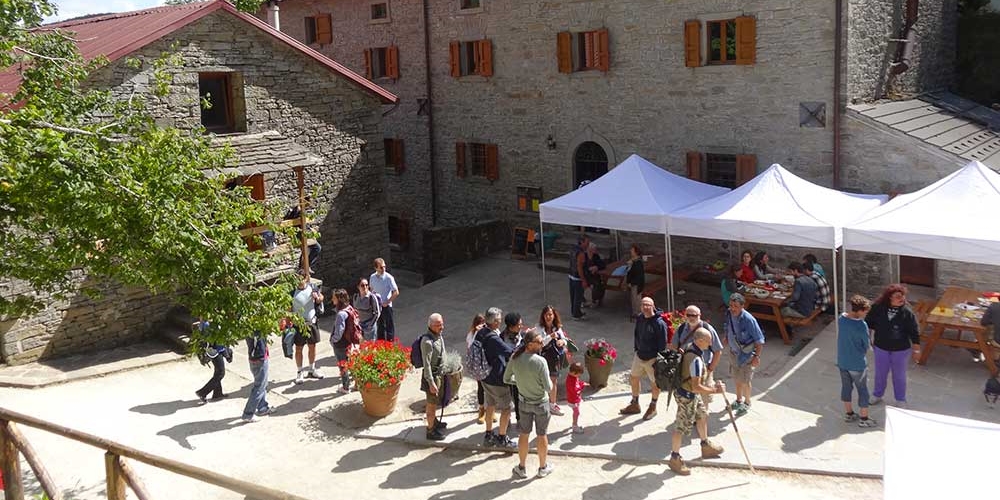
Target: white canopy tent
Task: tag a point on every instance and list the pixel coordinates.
(942, 221)
(779, 208)
(634, 196)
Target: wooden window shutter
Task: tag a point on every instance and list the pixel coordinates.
(460, 159)
(368, 64)
(397, 155)
(455, 50)
(492, 162)
(746, 40)
(602, 52)
(485, 49)
(403, 233)
(692, 43)
(324, 29)
(694, 166)
(392, 62)
(746, 168)
(564, 51)
(589, 49)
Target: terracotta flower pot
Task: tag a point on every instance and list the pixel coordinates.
(598, 373)
(379, 402)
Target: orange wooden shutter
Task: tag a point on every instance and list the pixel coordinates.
(602, 50)
(746, 168)
(460, 159)
(589, 49)
(398, 156)
(492, 162)
(485, 57)
(564, 51)
(368, 64)
(324, 29)
(455, 50)
(694, 166)
(692, 43)
(746, 40)
(392, 61)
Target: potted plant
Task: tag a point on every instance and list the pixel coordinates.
(674, 321)
(599, 359)
(378, 368)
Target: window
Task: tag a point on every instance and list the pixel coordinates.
(394, 157)
(583, 51)
(223, 109)
(382, 62)
(528, 199)
(727, 41)
(399, 233)
(477, 159)
(726, 170)
(319, 29)
(471, 58)
(380, 11)
(469, 4)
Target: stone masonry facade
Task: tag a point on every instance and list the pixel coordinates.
(284, 91)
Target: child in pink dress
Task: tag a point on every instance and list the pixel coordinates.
(574, 386)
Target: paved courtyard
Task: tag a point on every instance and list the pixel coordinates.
(319, 440)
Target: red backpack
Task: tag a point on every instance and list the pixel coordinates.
(352, 329)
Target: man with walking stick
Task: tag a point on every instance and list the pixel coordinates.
(690, 407)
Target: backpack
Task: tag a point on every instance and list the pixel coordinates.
(288, 342)
(667, 370)
(476, 364)
(992, 391)
(352, 329)
(416, 357)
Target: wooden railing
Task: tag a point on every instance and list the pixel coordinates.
(119, 474)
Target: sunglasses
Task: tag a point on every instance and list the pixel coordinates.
(692, 315)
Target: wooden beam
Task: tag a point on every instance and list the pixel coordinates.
(300, 180)
(133, 480)
(260, 229)
(30, 456)
(11, 464)
(116, 481)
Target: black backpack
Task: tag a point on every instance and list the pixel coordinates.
(992, 391)
(667, 370)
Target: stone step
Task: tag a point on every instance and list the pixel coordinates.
(176, 328)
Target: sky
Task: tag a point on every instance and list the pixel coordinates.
(74, 8)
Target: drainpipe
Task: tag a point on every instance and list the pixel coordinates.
(272, 15)
(837, 54)
(904, 44)
(430, 111)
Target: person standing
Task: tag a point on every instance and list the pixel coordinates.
(574, 391)
(745, 341)
(497, 393)
(852, 350)
(384, 285)
(595, 264)
(512, 336)
(258, 355)
(368, 308)
(896, 338)
(529, 372)
(635, 278)
(690, 407)
(478, 321)
(711, 356)
(578, 276)
(342, 337)
(432, 351)
(553, 350)
(650, 337)
(304, 300)
(216, 353)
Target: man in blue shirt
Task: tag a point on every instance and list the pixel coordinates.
(803, 299)
(383, 284)
(745, 342)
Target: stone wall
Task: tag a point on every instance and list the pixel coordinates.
(447, 247)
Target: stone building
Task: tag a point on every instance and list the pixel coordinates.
(276, 102)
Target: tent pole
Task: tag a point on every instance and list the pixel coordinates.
(843, 284)
(836, 281)
(545, 291)
(670, 271)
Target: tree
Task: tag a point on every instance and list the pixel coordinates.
(90, 185)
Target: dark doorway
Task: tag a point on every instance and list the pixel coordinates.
(916, 270)
(589, 163)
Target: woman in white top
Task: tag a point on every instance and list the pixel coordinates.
(553, 349)
(478, 322)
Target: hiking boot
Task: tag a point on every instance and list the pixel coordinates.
(435, 435)
(650, 412)
(520, 471)
(710, 450)
(489, 439)
(867, 422)
(545, 471)
(850, 417)
(482, 416)
(440, 424)
(631, 409)
(678, 466)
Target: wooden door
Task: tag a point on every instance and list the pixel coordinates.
(916, 270)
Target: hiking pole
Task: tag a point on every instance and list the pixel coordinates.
(737, 429)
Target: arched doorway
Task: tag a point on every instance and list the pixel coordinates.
(589, 162)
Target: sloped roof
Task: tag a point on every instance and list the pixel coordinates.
(261, 153)
(117, 35)
(943, 120)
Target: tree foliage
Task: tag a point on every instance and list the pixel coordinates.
(91, 186)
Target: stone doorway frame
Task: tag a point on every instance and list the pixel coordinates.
(587, 135)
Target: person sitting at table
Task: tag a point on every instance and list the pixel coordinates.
(809, 261)
(822, 287)
(992, 317)
(594, 265)
(744, 271)
(803, 299)
(761, 269)
(895, 338)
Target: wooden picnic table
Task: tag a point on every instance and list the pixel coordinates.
(944, 316)
(654, 265)
(771, 306)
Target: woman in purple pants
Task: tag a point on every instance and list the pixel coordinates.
(896, 338)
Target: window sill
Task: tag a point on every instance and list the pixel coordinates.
(473, 78)
(588, 73)
(380, 21)
(474, 10)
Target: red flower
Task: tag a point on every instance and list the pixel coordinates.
(393, 381)
(603, 362)
(368, 385)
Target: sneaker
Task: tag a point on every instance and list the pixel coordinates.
(577, 429)
(545, 471)
(315, 373)
(247, 420)
(344, 390)
(482, 416)
(520, 471)
(582, 317)
(711, 450)
(201, 399)
(440, 424)
(435, 435)
(556, 410)
(266, 411)
(631, 409)
(742, 409)
(851, 417)
(875, 401)
(678, 466)
(220, 397)
(504, 442)
(867, 422)
(300, 377)
(650, 412)
(901, 404)
(735, 405)
(489, 439)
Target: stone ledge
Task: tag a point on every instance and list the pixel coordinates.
(83, 366)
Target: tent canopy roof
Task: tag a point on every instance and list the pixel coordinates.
(776, 207)
(634, 196)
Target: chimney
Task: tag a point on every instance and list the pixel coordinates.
(272, 15)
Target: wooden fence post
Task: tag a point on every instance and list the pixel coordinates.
(10, 463)
(116, 480)
(34, 461)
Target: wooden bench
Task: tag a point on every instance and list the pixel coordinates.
(654, 286)
(804, 321)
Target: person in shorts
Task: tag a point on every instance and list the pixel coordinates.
(529, 371)
(496, 394)
(690, 407)
(304, 300)
(432, 351)
(745, 342)
(650, 338)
